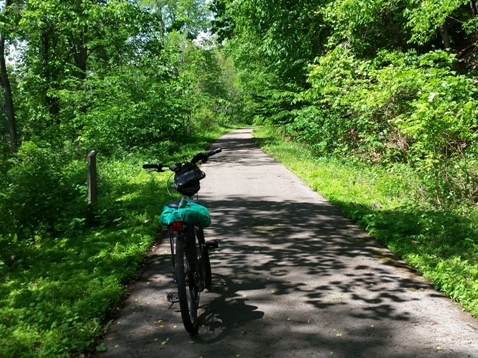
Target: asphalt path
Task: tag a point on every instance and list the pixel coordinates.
(292, 278)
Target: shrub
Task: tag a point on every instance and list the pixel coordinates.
(401, 107)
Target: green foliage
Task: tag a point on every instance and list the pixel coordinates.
(55, 298)
(425, 17)
(39, 175)
(270, 52)
(345, 38)
(284, 49)
(367, 26)
(129, 78)
(128, 110)
(188, 17)
(398, 108)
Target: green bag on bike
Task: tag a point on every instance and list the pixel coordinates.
(188, 212)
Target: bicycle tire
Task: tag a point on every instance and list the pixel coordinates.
(205, 261)
(188, 292)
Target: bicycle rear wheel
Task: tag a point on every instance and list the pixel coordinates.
(188, 292)
(205, 262)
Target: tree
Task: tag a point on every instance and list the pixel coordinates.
(368, 27)
(186, 16)
(66, 41)
(288, 35)
(449, 24)
(272, 43)
(5, 81)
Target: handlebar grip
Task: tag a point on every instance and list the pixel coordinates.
(213, 151)
(203, 157)
(157, 166)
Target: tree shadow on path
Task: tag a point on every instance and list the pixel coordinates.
(291, 278)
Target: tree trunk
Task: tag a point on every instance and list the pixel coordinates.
(445, 36)
(7, 91)
(473, 9)
(81, 52)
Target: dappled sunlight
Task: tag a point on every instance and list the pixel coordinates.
(291, 277)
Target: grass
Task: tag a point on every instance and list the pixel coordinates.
(441, 244)
(58, 290)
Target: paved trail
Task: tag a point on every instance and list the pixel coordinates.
(292, 278)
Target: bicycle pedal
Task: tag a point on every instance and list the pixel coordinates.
(173, 297)
(212, 244)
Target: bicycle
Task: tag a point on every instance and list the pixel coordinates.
(185, 220)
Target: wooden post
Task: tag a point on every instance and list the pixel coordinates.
(91, 219)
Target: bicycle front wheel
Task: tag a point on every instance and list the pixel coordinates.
(188, 292)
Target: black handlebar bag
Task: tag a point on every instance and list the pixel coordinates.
(186, 179)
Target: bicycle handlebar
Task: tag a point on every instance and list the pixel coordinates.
(213, 151)
(203, 157)
(157, 166)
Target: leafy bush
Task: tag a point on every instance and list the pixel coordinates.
(401, 108)
(128, 110)
(39, 187)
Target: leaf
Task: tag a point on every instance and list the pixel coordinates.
(101, 347)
